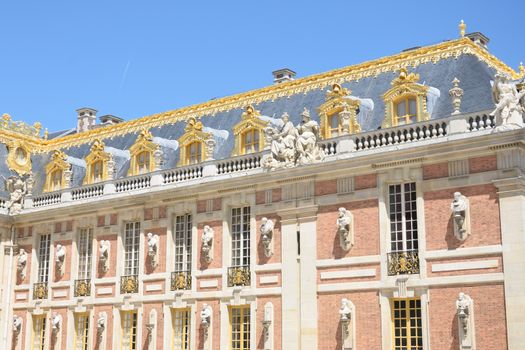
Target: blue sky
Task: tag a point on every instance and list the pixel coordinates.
(135, 58)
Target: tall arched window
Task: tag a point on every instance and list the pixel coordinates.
(250, 141)
(194, 152)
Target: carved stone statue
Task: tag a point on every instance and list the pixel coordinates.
(267, 235)
(157, 158)
(56, 322)
(17, 190)
(30, 181)
(293, 145)
(104, 254)
(206, 315)
(17, 324)
(345, 229)
(60, 256)
(21, 263)
(308, 140)
(463, 305)
(210, 148)
(207, 243)
(510, 106)
(101, 325)
(459, 207)
(345, 312)
(153, 242)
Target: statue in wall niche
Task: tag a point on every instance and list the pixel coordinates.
(291, 146)
(345, 311)
(207, 243)
(17, 324)
(463, 305)
(56, 322)
(104, 254)
(344, 227)
(17, 190)
(153, 243)
(206, 315)
(21, 262)
(510, 104)
(459, 209)
(101, 322)
(60, 256)
(267, 235)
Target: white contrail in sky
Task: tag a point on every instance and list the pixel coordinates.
(124, 76)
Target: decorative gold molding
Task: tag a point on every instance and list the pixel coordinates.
(413, 58)
(19, 156)
(144, 143)
(405, 85)
(95, 155)
(338, 102)
(192, 133)
(249, 121)
(57, 163)
(20, 127)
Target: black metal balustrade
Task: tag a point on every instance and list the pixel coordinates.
(82, 288)
(180, 280)
(40, 291)
(129, 284)
(403, 263)
(239, 276)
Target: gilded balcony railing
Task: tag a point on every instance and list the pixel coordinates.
(82, 288)
(129, 284)
(180, 280)
(239, 276)
(403, 263)
(40, 290)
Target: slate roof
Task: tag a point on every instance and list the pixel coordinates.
(474, 73)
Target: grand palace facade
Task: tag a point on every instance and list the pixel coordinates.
(377, 206)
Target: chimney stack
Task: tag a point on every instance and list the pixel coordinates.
(109, 119)
(283, 75)
(86, 119)
(479, 38)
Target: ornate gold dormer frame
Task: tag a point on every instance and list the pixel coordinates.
(97, 154)
(58, 163)
(143, 144)
(338, 103)
(405, 86)
(250, 122)
(193, 133)
(19, 156)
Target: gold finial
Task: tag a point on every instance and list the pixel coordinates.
(522, 69)
(462, 28)
(6, 117)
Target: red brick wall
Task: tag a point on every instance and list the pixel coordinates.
(484, 218)
(367, 318)
(217, 245)
(109, 332)
(260, 196)
(481, 164)
(159, 328)
(216, 324)
(276, 257)
(489, 317)
(366, 228)
(63, 332)
(365, 181)
(161, 252)
(325, 187)
(435, 171)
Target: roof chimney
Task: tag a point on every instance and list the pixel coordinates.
(109, 119)
(479, 38)
(283, 75)
(86, 118)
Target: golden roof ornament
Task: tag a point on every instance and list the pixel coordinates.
(462, 28)
(193, 124)
(337, 91)
(404, 77)
(145, 135)
(522, 69)
(58, 155)
(250, 113)
(98, 146)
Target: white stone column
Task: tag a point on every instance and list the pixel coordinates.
(511, 193)
(290, 282)
(308, 257)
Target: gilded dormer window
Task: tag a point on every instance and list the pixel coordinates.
(249, 133)
(97, 164)
(339, 113)
(142, 154)
(406, 101)
(57, 172)
(195, 145)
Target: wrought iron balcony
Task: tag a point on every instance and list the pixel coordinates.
(129, 284)
(40, 290)
(82, 288)
(403, 263)
(239, 276)
(180, 280)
